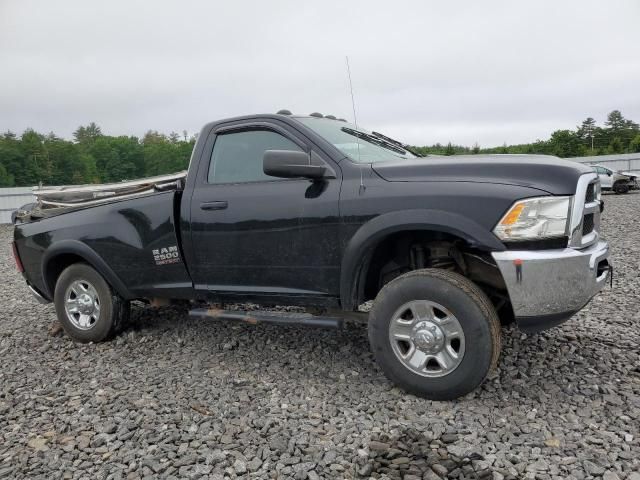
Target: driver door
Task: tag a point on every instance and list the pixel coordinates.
(256, 236)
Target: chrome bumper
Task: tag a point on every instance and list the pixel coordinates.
(547, 287)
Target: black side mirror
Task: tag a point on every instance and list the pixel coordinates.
(609, 173)
(290, 164)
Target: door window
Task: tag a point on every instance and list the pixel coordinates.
(237, 156)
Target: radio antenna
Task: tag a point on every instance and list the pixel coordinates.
(355, 121)
(353, 102)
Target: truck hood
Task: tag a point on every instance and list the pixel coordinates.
(550, 174)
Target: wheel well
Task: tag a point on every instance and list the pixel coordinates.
(396, 254)
(56, 265)
(404, 251)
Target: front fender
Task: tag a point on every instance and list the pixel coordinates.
(376, 229)
(76, 247)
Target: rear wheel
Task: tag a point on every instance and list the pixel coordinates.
(434, 333)
(87, 308)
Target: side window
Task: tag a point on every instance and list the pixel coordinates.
(237, 157)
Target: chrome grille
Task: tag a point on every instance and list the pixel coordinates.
(585, 212)
(587, 224)
(591, 193)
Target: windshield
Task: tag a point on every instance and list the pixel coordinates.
(358, 144)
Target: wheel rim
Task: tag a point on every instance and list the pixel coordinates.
(427, 338)
(82, 305)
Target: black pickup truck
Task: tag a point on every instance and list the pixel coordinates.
(315, 212)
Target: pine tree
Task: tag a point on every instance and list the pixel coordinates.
(586, 132)
(88, 134)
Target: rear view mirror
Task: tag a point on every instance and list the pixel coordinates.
(290, 164)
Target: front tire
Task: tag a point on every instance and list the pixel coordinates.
(88, 309)
(434, 333)
(621, 188)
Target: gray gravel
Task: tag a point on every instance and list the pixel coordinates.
(180, 398)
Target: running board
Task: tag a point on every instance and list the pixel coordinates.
(256, 317)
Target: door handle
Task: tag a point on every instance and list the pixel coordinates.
(220, 205)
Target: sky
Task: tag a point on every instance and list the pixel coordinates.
(423, 71)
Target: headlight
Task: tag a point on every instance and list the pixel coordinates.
(534, 219)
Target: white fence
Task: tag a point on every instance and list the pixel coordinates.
(13, 198)
(626, 162)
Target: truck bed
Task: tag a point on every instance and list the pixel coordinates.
(55, 200)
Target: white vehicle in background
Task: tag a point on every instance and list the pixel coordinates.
(633, 184)
(618, 182)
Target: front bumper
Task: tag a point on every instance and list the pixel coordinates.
(546, 287)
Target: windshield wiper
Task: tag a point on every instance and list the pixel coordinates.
(375, 140)
(395, 142)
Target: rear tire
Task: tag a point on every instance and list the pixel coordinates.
(434, 333)
(88, 309)
(621, 188)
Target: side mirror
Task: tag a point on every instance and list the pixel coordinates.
(290, 164)
(609, 173)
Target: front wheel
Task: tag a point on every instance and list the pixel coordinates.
(87, 308)
(434, 333)
(621, 188)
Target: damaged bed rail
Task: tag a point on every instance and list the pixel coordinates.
(55, 200)
(90, 194)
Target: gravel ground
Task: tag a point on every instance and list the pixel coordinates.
(180, 398)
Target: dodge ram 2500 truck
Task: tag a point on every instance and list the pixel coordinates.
(315, 212)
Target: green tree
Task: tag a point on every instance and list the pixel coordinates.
(634, 144)
(6, 179)
(69, 164)
(586, 132)
(11, 155)
(615, 121)
(87, 135)
(616, 145)
(449, 150)
(539, 147)
(104, 155)
(619, 127)
(565, 143)
(162, 156)
(131, 154)
(35, 167)
(87, 172)
(152, 136)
